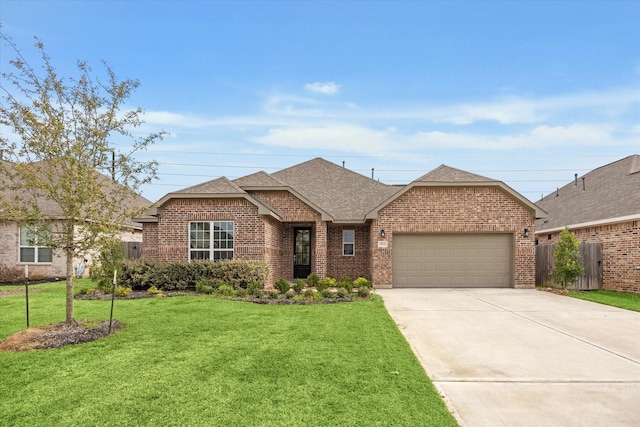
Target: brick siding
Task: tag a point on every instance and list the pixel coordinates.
(172, 229)
(620, 252)
(354, 266)
(454, 210)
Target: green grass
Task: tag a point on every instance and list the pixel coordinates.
(191, 361)
(616, 299)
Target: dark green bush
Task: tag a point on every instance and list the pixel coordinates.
(363, 292)
(141, 274)
(282, 285)
(345, 282)
(342, 293)
(206, 286)
(242, 293)
(226, 290)
(312, 280)
(255, 288)
(327, 293)
(273, 294)
(298, 286)
(325, 283)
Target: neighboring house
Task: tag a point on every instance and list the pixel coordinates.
(602, 206)
(19, 248)
(449, 228)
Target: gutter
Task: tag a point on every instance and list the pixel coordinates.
(617, 220)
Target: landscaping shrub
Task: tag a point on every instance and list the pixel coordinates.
(242, 293)
(342, 293)
(254, 288)
(206, 286)
(142, 274)
(273, 294)
(290, 293)
(345, 282)
(112, 257)
(122, 291)
(153, 291)
(282, 285)
(362, 282)
(317, 296)
(312, 280)
(226, 290)
(13, 274)
(327, 293)
(308, 293)
(363, 292)
(298, 286)
(325, 283)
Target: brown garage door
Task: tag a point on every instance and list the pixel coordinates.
(452, 260)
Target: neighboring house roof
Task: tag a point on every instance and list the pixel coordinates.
(610, 193)
(338, 194)
(50, 207)
(446, 176)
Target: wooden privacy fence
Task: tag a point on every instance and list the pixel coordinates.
(591, 258)
(133, 250)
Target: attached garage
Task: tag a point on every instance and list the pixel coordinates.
(453, 260)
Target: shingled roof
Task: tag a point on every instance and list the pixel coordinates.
(51, 209)
(444, 173)
(346, 195)
(446, 176)
(606, 194)
(338, 194)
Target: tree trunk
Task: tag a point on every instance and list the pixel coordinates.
(70, 277)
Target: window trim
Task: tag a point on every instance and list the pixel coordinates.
(346, 242)
(29, 235)
(213, 245)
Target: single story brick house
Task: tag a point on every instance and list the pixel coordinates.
(448, 228)
(603, 206)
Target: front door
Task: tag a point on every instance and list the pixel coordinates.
(301, 253)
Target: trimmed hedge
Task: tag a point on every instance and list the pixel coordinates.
(183, 275)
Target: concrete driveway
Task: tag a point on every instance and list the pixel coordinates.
(508, 357)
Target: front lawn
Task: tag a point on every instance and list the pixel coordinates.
(197, 360)
(616, 299)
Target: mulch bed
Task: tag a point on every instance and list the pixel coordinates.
(59, 335)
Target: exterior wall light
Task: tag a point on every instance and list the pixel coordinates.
(382, 234)
(526, 232)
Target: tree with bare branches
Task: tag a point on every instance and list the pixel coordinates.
(57, 139)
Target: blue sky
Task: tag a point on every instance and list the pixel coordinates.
(526, 92)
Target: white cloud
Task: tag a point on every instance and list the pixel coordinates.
(350, 138)
(328, 88)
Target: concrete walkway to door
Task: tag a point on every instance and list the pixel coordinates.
(509, 357)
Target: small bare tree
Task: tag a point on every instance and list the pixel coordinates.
(61, 175)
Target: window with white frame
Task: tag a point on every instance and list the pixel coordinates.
(211, 240)
(348, 242)
(31, 248)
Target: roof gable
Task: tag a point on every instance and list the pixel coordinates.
(220, 185)
(444, 173)
(346, 195)
(605, 193)
(258, 180)
(447, 176)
